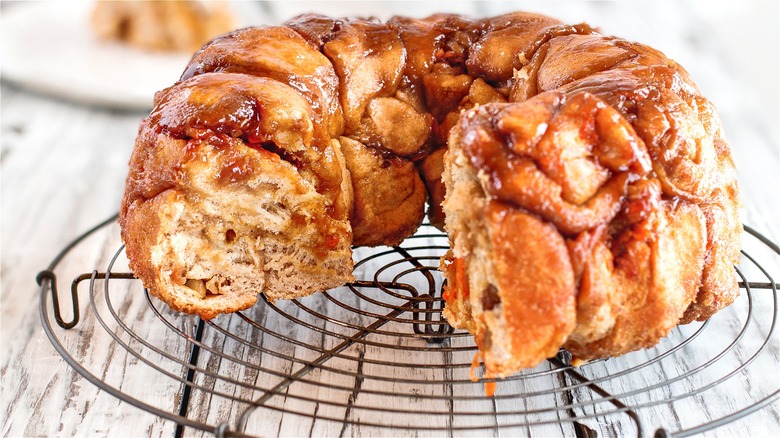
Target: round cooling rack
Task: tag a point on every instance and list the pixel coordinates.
(375, 357)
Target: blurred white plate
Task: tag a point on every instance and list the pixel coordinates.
(49, 47)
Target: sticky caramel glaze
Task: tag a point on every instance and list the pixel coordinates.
(367, 55)
(222, 109)
(277, 53)
(507, 41)
(690, 157)
(654, 94)
(523, 150)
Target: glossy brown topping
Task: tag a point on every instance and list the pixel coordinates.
(276, 53)
(568, 159)
(220, 110)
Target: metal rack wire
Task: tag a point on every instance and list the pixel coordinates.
(377, 356)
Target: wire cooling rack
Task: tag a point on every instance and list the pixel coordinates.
(376, 357)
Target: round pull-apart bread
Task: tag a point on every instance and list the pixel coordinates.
(584, 182)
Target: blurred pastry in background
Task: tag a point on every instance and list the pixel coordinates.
(162, 25)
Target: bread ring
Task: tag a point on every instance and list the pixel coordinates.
(584, 182)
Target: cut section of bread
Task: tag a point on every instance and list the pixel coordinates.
(213, 220)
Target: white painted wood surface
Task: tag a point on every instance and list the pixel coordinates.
(63, 170)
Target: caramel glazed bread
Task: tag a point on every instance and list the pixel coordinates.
(591, 200)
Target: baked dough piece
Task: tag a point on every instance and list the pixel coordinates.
(211, 218)
(161, 25)
(587, 191)
(627, 167)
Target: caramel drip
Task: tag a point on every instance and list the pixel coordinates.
(490, 387)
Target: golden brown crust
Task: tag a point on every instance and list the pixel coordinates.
(389, 196)
(536, 288)
(138, 245)
(650, 285)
